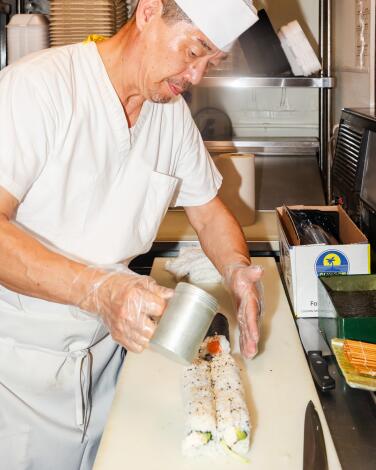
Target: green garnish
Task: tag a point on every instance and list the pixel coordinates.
(206, 437)
(230, 452)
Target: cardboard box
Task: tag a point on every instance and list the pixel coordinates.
(302, 264)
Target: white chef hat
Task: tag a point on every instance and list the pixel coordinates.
(222, 21)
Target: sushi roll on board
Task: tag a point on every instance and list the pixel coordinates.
(216, 414)
(233, 424)
(199, 410)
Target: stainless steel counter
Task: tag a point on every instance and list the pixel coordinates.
(351, 416)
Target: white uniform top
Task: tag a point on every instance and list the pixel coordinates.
(97, 191)
(89, 186)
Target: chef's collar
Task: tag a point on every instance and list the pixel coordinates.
(222, 21)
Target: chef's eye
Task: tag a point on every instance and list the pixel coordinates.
(193, 54)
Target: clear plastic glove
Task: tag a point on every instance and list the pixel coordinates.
(244, 282)
(129, 304)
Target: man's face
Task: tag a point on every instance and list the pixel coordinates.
(176, 56)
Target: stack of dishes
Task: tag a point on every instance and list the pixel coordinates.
(73, 20)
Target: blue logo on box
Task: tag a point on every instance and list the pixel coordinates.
(332, 262)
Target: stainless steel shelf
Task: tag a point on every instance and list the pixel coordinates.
(267, 82)
(300, 146)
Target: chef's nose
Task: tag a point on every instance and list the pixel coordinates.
(197, 71)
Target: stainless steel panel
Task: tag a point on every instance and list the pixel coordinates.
(325, 98)
(288, 180)
(351, 417)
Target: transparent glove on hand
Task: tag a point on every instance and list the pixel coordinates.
(127, 303)
(244, 283)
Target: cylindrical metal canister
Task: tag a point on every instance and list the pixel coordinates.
(184, 324)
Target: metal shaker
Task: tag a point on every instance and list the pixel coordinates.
(184, 323)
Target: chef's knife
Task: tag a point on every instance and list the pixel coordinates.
(316, 348)
(314, 457)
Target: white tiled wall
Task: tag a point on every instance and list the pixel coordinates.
(355, 84)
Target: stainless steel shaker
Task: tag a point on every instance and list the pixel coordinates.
(184, 324)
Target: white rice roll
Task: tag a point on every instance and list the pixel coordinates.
(199, 409)
(233, 422)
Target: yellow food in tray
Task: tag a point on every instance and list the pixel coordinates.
(353, 370)
(362, 356)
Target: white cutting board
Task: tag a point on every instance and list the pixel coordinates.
(146, 425)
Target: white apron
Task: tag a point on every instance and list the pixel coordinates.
(58, 366)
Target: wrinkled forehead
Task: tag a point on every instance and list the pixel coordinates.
(198, 38)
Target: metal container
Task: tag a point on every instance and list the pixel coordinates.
(184, 324)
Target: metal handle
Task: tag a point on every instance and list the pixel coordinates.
(325, 94)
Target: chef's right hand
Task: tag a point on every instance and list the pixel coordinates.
(128, 303)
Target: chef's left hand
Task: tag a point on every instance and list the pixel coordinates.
(244, 282)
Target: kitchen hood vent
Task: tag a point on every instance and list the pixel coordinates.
(346, 162)
(356, 128)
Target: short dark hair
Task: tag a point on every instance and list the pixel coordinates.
(172, 13)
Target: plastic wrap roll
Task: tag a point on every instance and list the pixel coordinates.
(238, 187)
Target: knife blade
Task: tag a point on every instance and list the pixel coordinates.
(314, 456)
(316, 348)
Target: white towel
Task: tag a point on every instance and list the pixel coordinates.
(193, 264)
(299, 53)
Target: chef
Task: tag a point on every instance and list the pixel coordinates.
(95, 144)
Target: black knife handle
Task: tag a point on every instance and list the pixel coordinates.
(320, 371)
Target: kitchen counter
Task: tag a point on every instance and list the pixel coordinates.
(145, 425)
(176, 231)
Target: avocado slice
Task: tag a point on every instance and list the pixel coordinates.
(241, 435)
(206, 437)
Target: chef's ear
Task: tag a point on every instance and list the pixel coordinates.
(147, 10)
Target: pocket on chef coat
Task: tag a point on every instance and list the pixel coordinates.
(14, 443)
(159, 195)
(32, 371)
